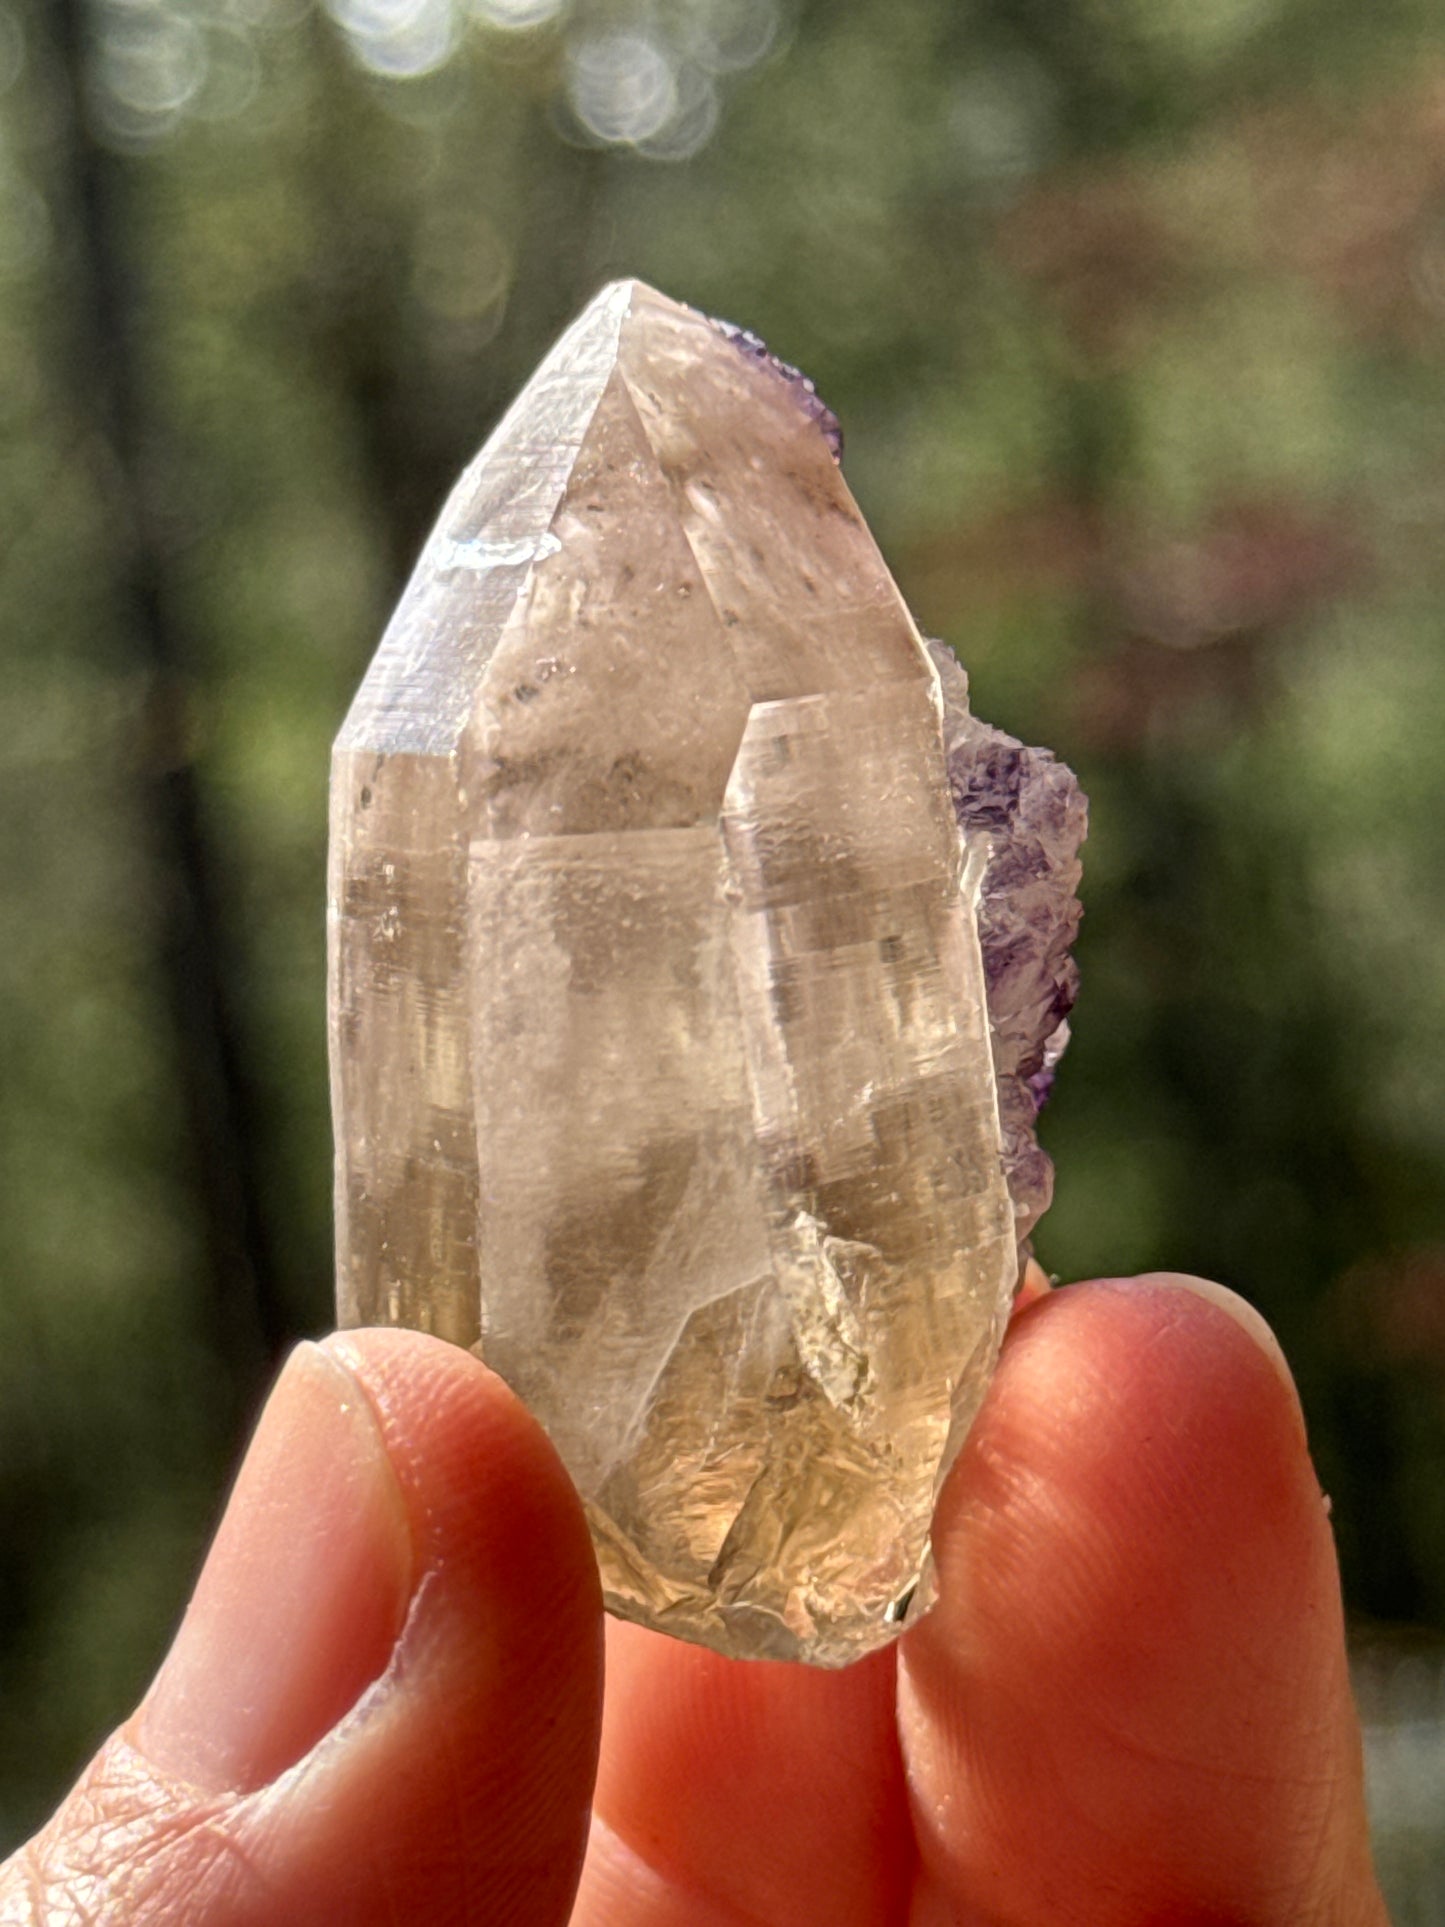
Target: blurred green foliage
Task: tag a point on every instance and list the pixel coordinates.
(1133, 317)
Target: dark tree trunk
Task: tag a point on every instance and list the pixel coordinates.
(195, 962)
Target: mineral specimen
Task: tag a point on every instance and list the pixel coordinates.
(697, 966)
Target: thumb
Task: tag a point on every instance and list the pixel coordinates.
(382, 1703)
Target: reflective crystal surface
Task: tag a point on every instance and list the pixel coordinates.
(664, 1068)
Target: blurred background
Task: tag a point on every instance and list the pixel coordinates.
(1135, 317)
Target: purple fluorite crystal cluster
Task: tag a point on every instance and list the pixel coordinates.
(807, 395)
(1034, 815)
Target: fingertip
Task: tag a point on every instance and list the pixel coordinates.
(488, 1497)
(1250, 1321)
(483, 1743)
(1133, 1685)
(302, 1596)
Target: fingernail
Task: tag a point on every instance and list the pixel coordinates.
(301, 1598)
(1239, 1309)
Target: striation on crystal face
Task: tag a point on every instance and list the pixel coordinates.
(697, 963)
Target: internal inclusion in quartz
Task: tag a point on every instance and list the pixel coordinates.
(697, 966)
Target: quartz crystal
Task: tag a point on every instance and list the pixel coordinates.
(697, 967)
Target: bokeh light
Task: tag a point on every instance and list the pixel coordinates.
(727, 36)
(150, 63)
(644, 77)
(398, 39)
(693, 122)
(462, 266)
(621, 86)
(515, 16)
(233, 76)
(1000, 120)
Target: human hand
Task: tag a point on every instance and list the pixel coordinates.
(1130, 1705)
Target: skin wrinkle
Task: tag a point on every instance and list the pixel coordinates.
(25, 1901)
(989, 1800)
(618, 1877)
(929, 1908)
(953, 1737)
(1114, 1841)
(456, 1801)
(1112, 1850)
(1113, 1735)
(718, 1913)
(1107, 1722)
(1033, 1496)
(250, 1811)
(1321, 1847)
(832, 1843)
(1219, 1774)
(132, 1858)
(1030, 1504)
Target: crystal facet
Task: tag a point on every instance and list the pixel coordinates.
(697, 966)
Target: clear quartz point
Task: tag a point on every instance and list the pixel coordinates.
(664, 1069)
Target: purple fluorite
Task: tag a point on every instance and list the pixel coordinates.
(1030, 808)
(812, 402)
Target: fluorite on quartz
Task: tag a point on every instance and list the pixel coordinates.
(697, 967)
